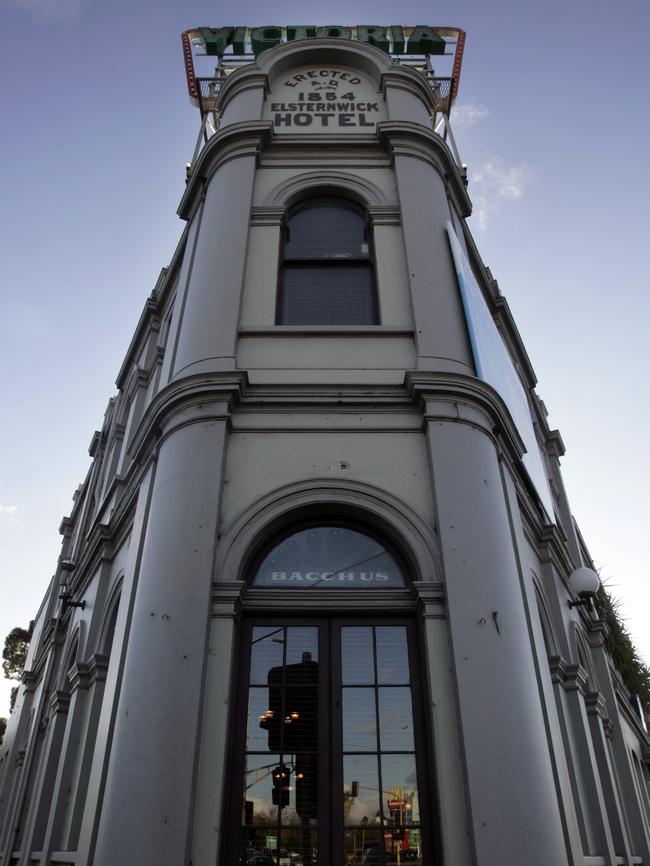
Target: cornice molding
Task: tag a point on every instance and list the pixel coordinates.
(267, 215)
(148, 316)
(196, 398)
(416, 141)
(556, 666)
(235, 141)
(465, 400)
(554, 444)
(508, 327)
(387, 601)
(226, 599)
(385, 215)
(404, 78)
(571, 677)
(66, 526)
(59, 702)
(250, 77)
(596, 705)
(597, 631)
(550, 544)
(431, 600)
(575, 679)
(30, 678)
(83, 675)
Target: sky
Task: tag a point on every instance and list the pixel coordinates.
(552, 122)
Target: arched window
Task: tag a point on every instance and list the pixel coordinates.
(329, 557)
(326, 271)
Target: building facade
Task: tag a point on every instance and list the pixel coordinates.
(313, 604)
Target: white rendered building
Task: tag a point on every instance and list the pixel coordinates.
(313, 601)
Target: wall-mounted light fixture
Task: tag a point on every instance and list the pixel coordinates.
(65, 595)
(65, 592)
(584, 582)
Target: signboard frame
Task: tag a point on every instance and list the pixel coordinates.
(495, 366)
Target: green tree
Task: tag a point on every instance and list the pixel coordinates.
(3, 728)
(14, 656)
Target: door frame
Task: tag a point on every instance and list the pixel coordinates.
(330, 824)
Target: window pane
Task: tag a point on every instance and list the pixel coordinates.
(260, 719)
(364, 770)
(326, 228)
(257, 845)
(395, 720)
(359, 720)
(326, 557)
(302, 649)
(364, 845)
(301, 846)
(300, 719)
(258, 790)
(266, 652)
(398, 775)
(305, 781)
(328, 295)
(357, 660)
(392, 655)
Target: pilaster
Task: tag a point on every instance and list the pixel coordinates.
(148, 801)
(503, 733)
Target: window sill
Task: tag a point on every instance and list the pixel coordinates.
(328, 330)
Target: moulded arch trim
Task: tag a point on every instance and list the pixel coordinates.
(546, 621)
(361, 56)
(583, 654)
(110, 610)
(289, 191)
(408, 534)
(71, 655)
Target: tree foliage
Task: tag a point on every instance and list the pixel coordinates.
(14, 654)
(3, 728)
(627, 661)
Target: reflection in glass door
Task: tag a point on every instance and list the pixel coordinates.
(328, 773)
(381, 803)
(281, 773)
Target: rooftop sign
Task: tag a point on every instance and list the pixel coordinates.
(394, 39)
(242, 44)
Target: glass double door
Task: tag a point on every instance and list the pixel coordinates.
(327, 769)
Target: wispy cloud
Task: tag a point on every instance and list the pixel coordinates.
(496, 183)
(45, 11)
(468, 114)
(8, 509)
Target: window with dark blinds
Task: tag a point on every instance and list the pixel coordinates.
(326, 273)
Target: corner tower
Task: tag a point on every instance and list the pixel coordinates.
(323, 517)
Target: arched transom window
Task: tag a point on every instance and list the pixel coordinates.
(329, 557)
(326, 271)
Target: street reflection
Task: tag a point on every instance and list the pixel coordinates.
(281, 776)
(379, 804)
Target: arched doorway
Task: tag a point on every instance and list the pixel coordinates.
(330, 759)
